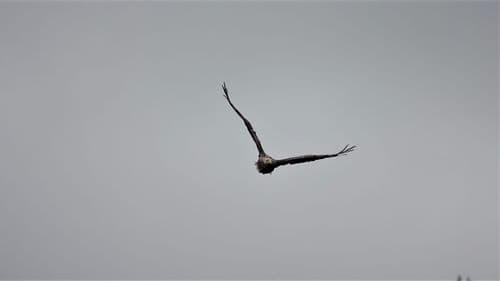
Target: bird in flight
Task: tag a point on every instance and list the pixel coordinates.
(265, 163)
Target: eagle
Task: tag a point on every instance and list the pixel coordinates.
(266, 164)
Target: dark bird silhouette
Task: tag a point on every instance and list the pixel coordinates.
(459, 278)
(265, 163)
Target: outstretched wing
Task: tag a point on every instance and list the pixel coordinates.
(247, 123)
(309, 158)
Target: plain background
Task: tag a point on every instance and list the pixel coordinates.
(120, 159)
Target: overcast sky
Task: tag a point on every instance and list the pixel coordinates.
(120, 159)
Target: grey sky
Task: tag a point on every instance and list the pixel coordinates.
(120, 159)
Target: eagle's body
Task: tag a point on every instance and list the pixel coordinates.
(265, 163)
